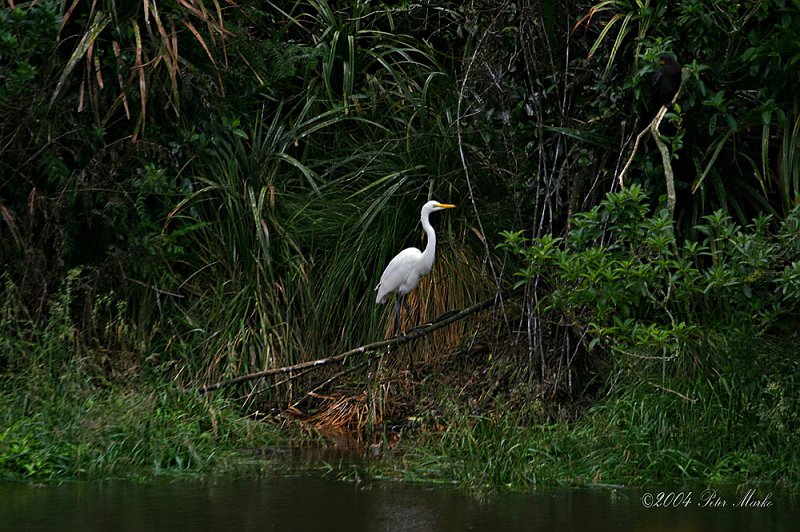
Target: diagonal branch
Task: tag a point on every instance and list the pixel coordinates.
(441, 321)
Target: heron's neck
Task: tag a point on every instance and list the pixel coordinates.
(430, 247)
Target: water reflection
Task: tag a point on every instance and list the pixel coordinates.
(313, 503)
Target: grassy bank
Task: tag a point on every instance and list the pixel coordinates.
(711, 430)
(648, 434)
(690, 375)
(62, 429)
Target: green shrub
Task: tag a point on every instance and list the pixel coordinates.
(622, 279)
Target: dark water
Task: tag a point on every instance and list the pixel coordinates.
(313, 503)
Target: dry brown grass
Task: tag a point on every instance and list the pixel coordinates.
(454, 283)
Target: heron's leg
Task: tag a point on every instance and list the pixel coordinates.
(408, 307)
(397, 314)
(410, 351)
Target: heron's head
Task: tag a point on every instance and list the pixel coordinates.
(433, 206)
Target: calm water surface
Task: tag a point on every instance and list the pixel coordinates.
(313, 503)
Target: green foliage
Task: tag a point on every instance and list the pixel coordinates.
(65, 430)
(132, 57)
(620, 276)
(69, 413)
(284, 253)
(22, 454)
(627, 16)
(690, 332)
(288, 149)
(253, 214)
(737, 104)
(26, 37)
(367, 65)
(487, 454)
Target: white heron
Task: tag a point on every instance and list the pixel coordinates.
(404, 271)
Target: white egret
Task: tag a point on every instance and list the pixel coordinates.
(404, 271)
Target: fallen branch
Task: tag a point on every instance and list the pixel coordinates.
(442, 321)
(252, 393)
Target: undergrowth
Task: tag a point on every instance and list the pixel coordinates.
(718, 430)
(64, 414)
(241, 224)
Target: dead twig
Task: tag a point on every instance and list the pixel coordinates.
(670, 390)
(326, 382)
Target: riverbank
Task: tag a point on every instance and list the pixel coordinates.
(183, 208)
(643, 437)
(68, 427)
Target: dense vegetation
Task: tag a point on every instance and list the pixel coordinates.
(193, 190)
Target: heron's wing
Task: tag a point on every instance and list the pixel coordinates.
(397, 272)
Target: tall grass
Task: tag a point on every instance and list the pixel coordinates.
(297, 210)
(129, 56)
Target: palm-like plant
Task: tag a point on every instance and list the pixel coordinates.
(133, 55)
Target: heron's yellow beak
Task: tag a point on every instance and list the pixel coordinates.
(445, 206)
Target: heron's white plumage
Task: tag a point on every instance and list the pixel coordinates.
(404, 271)
(401, 275)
